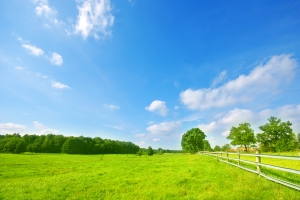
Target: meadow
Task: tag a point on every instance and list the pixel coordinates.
(167, 176)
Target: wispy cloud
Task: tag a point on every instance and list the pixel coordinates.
(19, 68)
(44, 10)
(56, 59)
(158, 107)
(111, 106)
(43, 129)
(94, 18)
(38, 125)
(48, 131)
(264, 78)
(59, 85)
(140, 135)
(115, 127)
(219, 79)
(33, 49)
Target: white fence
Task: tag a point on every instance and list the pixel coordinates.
(224, 157)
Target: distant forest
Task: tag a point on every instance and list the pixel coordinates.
(61, 144)
(51, 143)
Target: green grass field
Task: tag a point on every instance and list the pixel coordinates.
(168, 176)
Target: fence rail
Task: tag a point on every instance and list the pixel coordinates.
(258, 164)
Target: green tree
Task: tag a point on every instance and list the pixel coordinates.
(217, 148)
(206, 146)
(225, 147)
(150, 151)
(140, 152)
(242, 135)
(160, 151)
(298, 141)
(276, 136)
(12, 144)
(192, 140)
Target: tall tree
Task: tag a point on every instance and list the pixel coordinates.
(192, 140)
(150, 151)
(206, 146)
(276, 135)
(242, 135)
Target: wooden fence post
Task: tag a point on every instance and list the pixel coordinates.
(239, 157)
(258, 160)
(227, 156)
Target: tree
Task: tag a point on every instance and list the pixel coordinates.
(160, 151)
(150, 151)
(217, 148)
(192, 140)
(242, 135)
(140, 152)
(12, 144)
(206, 146)
(225, 147)
(298, 141)
(276, 136)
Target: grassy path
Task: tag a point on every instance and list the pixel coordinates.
(169, 176)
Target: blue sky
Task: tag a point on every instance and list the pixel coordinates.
(147, 71)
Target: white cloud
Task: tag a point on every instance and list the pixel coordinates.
(142, 144)
(156, 140)
(10, 128)
(19, 68)
(38, 125)
(225, 121)
(94, 17)
(44, 10)
(237, 116)
(225, 133)
(165, 128)
(21, 40)
(132, 2)
(158, 107)
(115, 127)
(111, 107)
(48, 131)
(33, 49)
(262, 79)
(56, 59)
(43, 129)
(207, 128)
(219, 79)
(140, 135)
(223, 124)
(59, 85)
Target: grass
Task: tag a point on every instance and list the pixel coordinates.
(287, 176)
(168, 176)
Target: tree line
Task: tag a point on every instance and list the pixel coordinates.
(276, 136)
(51, 143)
(159, 151)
